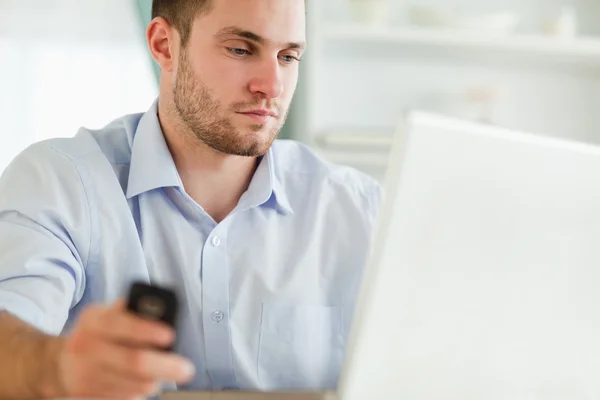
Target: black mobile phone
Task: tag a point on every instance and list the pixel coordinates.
(153, 302)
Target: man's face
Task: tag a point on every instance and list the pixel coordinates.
(236, 76)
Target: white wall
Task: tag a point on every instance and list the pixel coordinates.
(67, 64)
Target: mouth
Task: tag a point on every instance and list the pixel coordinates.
(259, 115)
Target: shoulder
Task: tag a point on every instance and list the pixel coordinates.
(294, 158)
(59, 179)
(113, 141)
(62, 161)
(46, 164)
(298, 164)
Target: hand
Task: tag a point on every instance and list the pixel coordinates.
(114, 353)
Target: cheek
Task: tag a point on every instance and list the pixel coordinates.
(216, 72)
(231, 73)
(224, 84)
(290, 82)
(227, 70)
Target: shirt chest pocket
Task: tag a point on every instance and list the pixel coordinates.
(300, 347)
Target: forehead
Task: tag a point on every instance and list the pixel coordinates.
(278, 21)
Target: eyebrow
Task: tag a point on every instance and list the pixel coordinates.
(244, 34)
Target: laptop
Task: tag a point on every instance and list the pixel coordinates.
(484, 280)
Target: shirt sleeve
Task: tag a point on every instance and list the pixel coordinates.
(44, 237)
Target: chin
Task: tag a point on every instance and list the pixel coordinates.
(264, 133)
(248, 151)
(257, 148)
(253, 141)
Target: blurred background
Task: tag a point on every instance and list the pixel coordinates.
(532, 65)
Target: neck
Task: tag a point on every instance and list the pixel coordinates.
(215, 180)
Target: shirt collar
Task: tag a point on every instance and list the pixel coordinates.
(152, 167)
(266, 188)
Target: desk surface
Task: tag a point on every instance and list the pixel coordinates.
(182, 395)
(237, 395)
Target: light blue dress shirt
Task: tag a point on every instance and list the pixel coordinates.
(267, 295)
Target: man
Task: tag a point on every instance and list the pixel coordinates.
(263, 242)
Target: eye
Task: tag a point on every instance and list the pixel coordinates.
(237, 51)
(289, 59)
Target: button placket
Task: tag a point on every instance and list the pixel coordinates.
(215, 305)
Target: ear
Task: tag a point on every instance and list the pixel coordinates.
(161, 39)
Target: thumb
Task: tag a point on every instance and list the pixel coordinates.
(119, 305)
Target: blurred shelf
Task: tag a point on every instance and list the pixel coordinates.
(354, 140)
(361, 160)
(576, 50)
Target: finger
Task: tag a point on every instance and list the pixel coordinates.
(120, 304)
(116, 385)
(167, 332)
(119, 325)
(140, 364)
(159, 365)
(109, 385)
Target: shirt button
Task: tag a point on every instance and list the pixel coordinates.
(216, 241)
(217, 316)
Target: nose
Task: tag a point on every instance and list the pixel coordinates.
(267, 80)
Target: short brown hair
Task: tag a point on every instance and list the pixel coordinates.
(180, 14)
